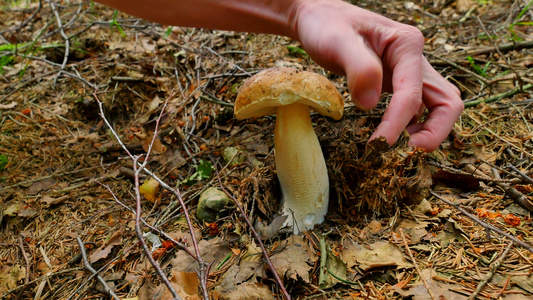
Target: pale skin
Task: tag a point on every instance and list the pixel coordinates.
(375, 53)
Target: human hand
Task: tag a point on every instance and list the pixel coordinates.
(377, 54)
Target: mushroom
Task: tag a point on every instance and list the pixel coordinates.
(300, 164)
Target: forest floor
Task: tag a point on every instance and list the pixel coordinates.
(451, 224)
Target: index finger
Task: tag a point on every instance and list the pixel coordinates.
(405, 60)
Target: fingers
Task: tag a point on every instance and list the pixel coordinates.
(445, 106)
(363, 70)
(405, 60)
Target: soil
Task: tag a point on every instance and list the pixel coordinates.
(80, 122)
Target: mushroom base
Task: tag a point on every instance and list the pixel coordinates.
(301, 168)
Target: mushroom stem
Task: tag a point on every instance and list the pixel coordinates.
(301, 168)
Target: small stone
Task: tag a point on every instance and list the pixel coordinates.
(212, 204)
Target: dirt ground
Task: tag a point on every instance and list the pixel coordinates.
(74, 201)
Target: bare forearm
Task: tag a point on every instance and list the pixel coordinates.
(260, 16)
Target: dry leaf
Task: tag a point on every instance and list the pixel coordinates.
(150, 189)
(27, 212)
(157, 147)
(439, 290)
(8, 106)
(509, 219)
(105, 249)
(53, 201)
(41, 185)
(213, 251)
(376, 255)
(295, 260)
(10, 276)
(186, 284)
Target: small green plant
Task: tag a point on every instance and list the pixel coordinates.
(114, 22)
(168, 32)
(3, 162)
(477, 68)
(297, 51)
(5, 61)
(514, 36)
(203, 171)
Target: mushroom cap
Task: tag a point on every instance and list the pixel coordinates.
(263, 92)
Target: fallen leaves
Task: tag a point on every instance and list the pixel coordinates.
(105, 250)
(512, 220)
(10, 277)
(375, 255)
(150, 189)
(186, 284)
(294, 260)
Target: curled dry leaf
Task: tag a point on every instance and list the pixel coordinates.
(485, 213)
(512, 220)
(150, 189)
(186, 284)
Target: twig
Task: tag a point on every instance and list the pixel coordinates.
(139, 232)
(46, 276)
(73, 294)
(178, 244)
(28, 268)
(493, 268)
(88, 267)
(483, 224)
(255, 234)
(522, 174)
(498, 97)
(63, 35)
(451, 63)
(514, 193)
(203, 266)
(416, 265)
(502, 48)
(23, 24)
(499, 52)
(483, 177)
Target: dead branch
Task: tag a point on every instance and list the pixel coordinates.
(426, 284)
(483, 224)
(204, 267)
(62, 32)
(518, 77)
(500, 96)
(140, 235)
(514, 193)
(26, 21)
(89, 268)
(513, 46)
(28, 269)
(493, 268)
(256, 236)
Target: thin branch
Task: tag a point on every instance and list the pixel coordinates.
(426, 284)
(89, 268)
(204, 267)
(140, 236)
(63, 35)
(256, 236)
(483, 224)
(493, 268)
(28, 268)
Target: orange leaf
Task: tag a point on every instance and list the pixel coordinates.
(512, 220)
(482, 212)
(150, 189)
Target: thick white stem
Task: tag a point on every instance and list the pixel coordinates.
(301, 168)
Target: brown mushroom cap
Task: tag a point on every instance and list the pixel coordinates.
(263, 92)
